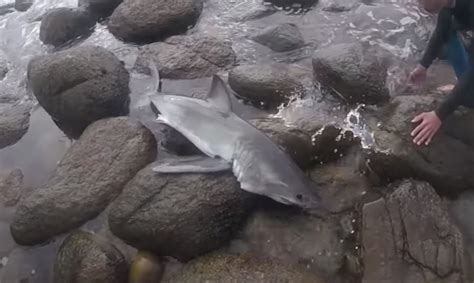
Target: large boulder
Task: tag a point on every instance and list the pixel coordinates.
(445, 163)
(87, 258)
(79, 86)
(60, 26)
(151, 20)
(295, 238)
(281, 38)
(180, 215)
(90, 175)
(267, 86)
(187, 57)
(408, 236)
(23, 5)
(99, 8)
(215, 268)
(352, 72)
(11, 186)
(14, 123)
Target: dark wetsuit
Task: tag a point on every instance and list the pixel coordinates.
(451, 20)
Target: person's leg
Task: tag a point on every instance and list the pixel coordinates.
(456, 54)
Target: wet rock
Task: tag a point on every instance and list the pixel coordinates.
(231, 268)
(180, 215)
(292, 140)
(295, 3)
(87, 258)
(266, 86)
(281, 38)
(330, 142)
(411, 230)
(11, 185)
(146, 267)
(295, 238)
(151, 20)
(187, 57)
(62, 25)
(338, 6)
(352, 73)
(445, 163)
(342, 184)
(90, 175)
(14, 123)
(79, 86)
(99, 8)
(23, 5)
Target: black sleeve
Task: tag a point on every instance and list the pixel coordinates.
(463, 94)
(438, 38)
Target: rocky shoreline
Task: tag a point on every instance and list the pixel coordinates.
(396, 208)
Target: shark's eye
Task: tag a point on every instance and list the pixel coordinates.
(299, 196)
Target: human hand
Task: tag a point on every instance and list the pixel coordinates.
(424, 132)
(418, 75)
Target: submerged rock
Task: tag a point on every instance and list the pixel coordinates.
(188, 57)
(99, 8)
(266, 86)
(14, 123)
(79, 86)
(296, 3)
(62, 25)
(11, 186)
(23, 5)
(180, 215)
(295, 238)
(411, 230)
(281, 38)
(87, 258)
(152, 20)
(352, 73)
(90, 175)
(216, 268)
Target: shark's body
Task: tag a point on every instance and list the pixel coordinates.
(259, 164)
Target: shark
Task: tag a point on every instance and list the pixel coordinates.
(230, 143)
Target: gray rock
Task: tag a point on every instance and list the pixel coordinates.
(90, 175)
(14, 123)
(99, 8)
(146, 267)
(60, 26)
(11, 186)
(173, 141)
(409, 237)
(445, 163)
(87, 258)
(338, 6)
(281, 38)
(187, 57)
(295, 238)
(180, 215)
(3, 64)
(352, 72)
(266, 86)
(216, 268)
(79, 86)
(23, 5)
(7, 9)
(151, 20)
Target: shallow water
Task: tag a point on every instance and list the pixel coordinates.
(39, 151)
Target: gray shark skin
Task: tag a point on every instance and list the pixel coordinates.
(258, 163)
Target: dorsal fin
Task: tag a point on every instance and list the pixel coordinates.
(218, 95)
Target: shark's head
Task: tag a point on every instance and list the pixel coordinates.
(301, 194)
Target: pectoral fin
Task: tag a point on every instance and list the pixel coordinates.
(191, 164)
